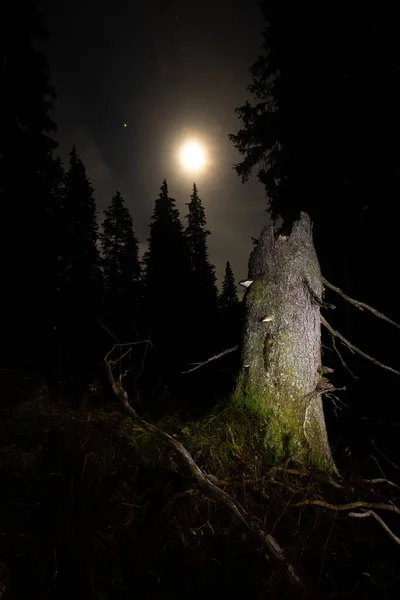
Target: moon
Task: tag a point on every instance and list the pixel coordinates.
(192, 156)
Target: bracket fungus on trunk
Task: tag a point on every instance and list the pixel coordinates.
(281, 350)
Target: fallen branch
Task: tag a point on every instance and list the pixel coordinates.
(360, 305)
(351, 505)
(215, 357)
(353, 348)
(204, 481)
(371, 513)
(381, 480)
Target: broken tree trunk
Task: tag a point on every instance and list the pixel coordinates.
(281, 354)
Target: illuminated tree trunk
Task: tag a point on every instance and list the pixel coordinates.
(280, 376)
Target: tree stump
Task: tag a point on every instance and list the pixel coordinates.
(280, 376)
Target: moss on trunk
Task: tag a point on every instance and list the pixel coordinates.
(281, 352)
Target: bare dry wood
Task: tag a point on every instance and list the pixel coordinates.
(381, 480)
(204, 481)
(360, 305)
(351, 505)
(215, 357)
(371, 513)
(353, 348)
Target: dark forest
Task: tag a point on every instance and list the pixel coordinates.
(168, 432)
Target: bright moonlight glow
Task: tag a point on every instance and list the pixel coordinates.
(192, 157)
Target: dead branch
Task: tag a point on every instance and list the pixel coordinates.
(215, 357)
(351, 505)
(315, 298)
(381, 480)
(140, 373)
(353, 348)
(344, 364)
(205, 483)
(360, 305)
(337, 402)
(371, 513)
(382, 454)
(107, 330)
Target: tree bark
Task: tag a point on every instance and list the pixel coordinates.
(281, 354)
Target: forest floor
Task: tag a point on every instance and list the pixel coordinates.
(91, 506)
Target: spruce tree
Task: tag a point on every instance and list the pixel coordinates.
(121, 268)
(29, 182)
(322, 139)
(203, 290)
(228, 298)
(203, 272)
(80, 278)
(166, 285)
(229, 310)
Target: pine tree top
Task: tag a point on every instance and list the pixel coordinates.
(196, 216)
(79, 205)
(76, 174)
(204, 280)
(119, 244)
(165, 210)
(228, 297)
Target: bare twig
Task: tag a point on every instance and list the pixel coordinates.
(344, 364)
(381, 480)
(108, 331)
(382, 454)
(128, 345)
(336, 401)
(315, 298)
(351, 505)
(371, 513)
(353, 348)
(204, 481)
(360, 305)
(148, 345)
(215, 357)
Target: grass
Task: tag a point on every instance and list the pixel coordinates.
(91, 506)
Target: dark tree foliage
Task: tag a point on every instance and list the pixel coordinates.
(321, 132)
(230, 310)
(323, 126)
(204, 280)
(29, 188)
(80, 278)
(121, 268)
(203, 289)
(228, 297)
(167, 267)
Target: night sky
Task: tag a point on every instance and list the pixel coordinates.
(171, 70)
